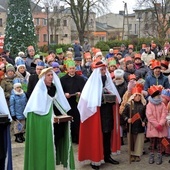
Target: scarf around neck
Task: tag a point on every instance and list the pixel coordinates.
(155, 101)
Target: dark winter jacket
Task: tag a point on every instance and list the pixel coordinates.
(152, 80)
(142, 71)
(136, 127)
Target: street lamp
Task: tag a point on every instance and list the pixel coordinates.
(47, 8)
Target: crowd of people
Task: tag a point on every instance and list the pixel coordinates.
(107, 97)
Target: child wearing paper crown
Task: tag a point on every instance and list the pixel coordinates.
(18, 102)
(134, 114)
(156, 113)
(165, 94)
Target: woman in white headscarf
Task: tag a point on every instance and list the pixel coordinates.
(40, 148)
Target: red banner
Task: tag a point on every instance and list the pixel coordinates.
(135, 117)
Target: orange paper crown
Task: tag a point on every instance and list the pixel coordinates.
(128, 59)
(130, 46)
(137, 55)
(87, 55)
(154, 89)
(115, 51)
(132, 76)
(137, 90)
(164, 63)
(156, 64)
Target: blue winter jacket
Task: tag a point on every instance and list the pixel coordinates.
(17, 105)
(152, 80)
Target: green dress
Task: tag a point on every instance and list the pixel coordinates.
(39, 146)
(40, 152)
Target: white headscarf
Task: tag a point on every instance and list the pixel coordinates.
(3, 105)
(40, 102)
(92, 94)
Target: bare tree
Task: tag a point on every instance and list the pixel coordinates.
(80, 12)
(157, 17)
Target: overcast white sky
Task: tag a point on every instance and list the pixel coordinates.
(118, 5)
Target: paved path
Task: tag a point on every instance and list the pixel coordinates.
(18, 160)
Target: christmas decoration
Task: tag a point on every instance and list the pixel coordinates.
(19, 32)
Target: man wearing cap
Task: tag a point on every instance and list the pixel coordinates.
(97, 127)
(40, 152)
(33, 79)
(157, 78)
(72, 86)
(147, 55)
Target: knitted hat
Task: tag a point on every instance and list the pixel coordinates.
(19, 63)
(98, 54)
(118, 73)
(166, 94)
(15, 85)
(55, 65)
(10, 68)
(22, 54)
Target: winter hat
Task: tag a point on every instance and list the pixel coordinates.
(166, 94)
(22, 54)
(118, 73)
(10, 68)
(20, 63)
(55, 65)
(98, 54)
(78, 59)
(15, 85)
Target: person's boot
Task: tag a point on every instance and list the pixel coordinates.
(95, 167)
(122, 142)
(159, 159)
(18, 139)
(151, 158)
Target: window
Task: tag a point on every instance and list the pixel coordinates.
(64, 23)
(130, 26)
(45, 37)
(58, 22)
(0, 22)
(101, 38)
(65, 35)
(37, 21)
(135, 29)
(44, 22)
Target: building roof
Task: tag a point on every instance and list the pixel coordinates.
(103, 27)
